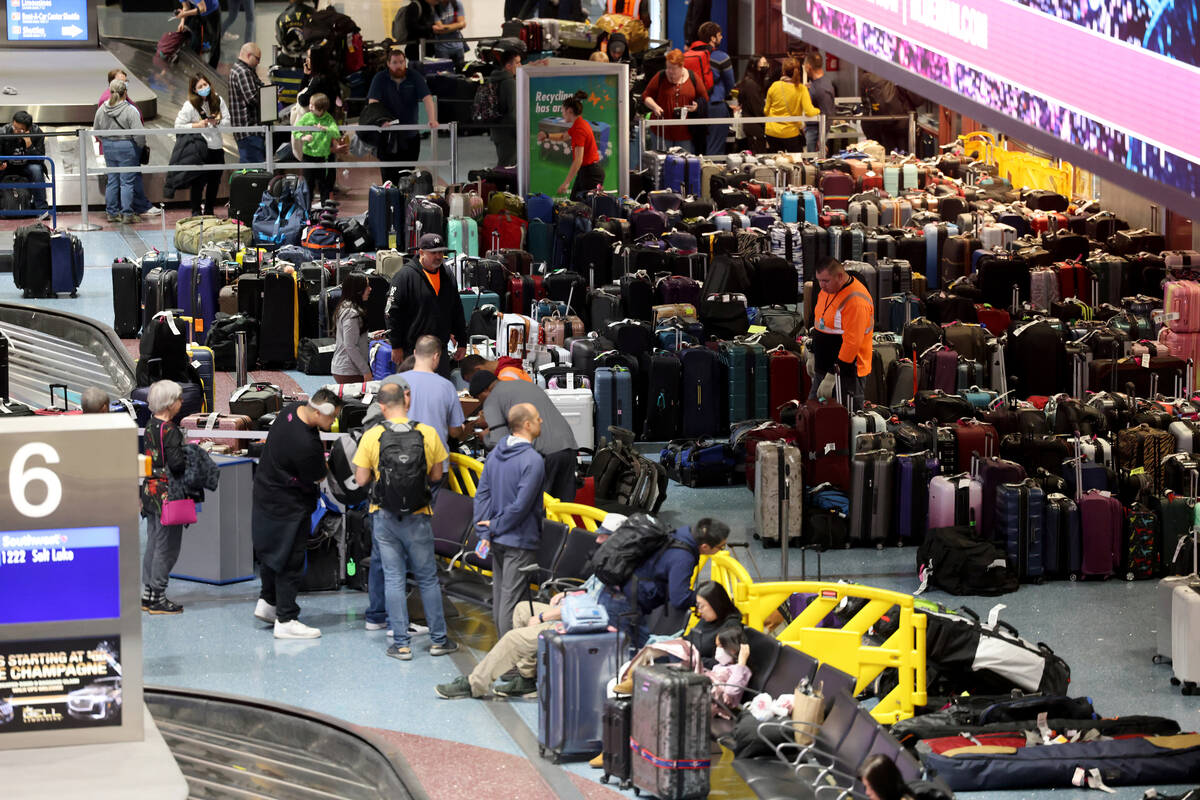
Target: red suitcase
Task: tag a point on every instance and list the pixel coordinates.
(996, 320)
(824, 441)
(975, 439)
(1073, 280)
(783, 377)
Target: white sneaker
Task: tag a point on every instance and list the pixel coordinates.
(152, 211)
(264, 611)
(377, 626)
(228, 36)
(416, 630)
(295, 629)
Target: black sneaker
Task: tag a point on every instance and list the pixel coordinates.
(164, 606)
(147, 601)
(518, 687)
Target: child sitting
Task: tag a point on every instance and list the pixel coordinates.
(318, 145)
(731, 675)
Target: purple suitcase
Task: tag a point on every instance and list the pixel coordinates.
(913, 474)
(945, 372)
(1101, 521)
(993, 472)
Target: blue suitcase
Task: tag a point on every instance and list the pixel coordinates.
(935, 240)
(66, 264)
(1019, 520)
(614, 400)
(381, 360)
(914, 471)
(736, 372)
(202, 359)
(198, 293)
(385, 216)
(789, 207)
(540, 239)
(700, 392)
(812, 210)
(674, 170)
(573, 670)
(692, 178)
(539, 206)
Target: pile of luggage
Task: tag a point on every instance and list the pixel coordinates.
(46, 263)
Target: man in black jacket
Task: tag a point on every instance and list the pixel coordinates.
(423, 301)
(504, 131)
(23, 138)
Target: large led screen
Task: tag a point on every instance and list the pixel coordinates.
(1119, 81)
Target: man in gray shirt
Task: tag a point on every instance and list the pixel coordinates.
(820, 89)
(434, 399)
(556, 442)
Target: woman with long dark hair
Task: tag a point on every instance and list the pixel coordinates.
(882, 779)
(585, 173)
(752, 97)
(351, 362)
(716, 611)
(205, 111)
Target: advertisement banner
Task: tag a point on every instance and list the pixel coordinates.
(60, 684)
(544, 147)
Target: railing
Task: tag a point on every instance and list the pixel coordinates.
(648, 123)
(34, 212)
(910, 117)
(270, 165)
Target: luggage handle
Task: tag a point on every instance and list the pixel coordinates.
(65, 405)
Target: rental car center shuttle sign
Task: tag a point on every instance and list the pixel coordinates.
(1117, 81)
(47, 20)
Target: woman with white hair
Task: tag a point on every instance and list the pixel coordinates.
(120, 151)
(164, 443)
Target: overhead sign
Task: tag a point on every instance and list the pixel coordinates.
(47, 20)
(1108, 85)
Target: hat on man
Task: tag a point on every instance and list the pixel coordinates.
(480, 381)
(432, 243)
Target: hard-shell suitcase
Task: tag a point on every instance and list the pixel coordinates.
(914, 471)
(462, 236)
(1061, 542)
(1100, 517)
(219, 422)
(573, 670)
(198, 292)
(279, 336)
(158, 293)
(614, 400)
(577, 407)
(32, 260)
(825, 443)
(871, 493)
(1020, 516)
(1185, 644)
(205, 363)
(955, 500)
(662, 397)
(992, 473)
(778, 493)
(700, 392)
(670, 740)
(246, 189)
(127, 298)
(386, 206)
(618, 726)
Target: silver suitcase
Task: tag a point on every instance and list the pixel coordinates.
(778, 494)
(1185, 636)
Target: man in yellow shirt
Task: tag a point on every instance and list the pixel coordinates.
(403, 460)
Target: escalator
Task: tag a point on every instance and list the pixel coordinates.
(239, 748)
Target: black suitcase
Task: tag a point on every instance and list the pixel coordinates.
(31, 261)
(662, 398)
(701, 386)
(249, 296)
(127, 298)
(159, 292)
(246, 189)
(670, 732)
(279, 337)
(617, 728)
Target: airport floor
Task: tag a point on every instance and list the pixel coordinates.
(1105, 631)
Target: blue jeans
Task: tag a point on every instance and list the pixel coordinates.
(621, 617)
(406, 544)
(812, 133)
(252, 149)
(236, 6)
(376, 601)
(715, 134)
(30, 172)
(118, 194)
(141, 204)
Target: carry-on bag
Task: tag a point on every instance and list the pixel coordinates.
(778, 493)
(573, 670)
(618, 726)
(670, 740)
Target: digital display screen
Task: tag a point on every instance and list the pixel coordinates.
(1117, 80)
(60, 575)
(60, 684)
(47, 20)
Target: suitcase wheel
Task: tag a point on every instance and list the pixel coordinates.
(1161, 660)
(1189, 689)
(604, 778)
(541, 751)
(1175, 681)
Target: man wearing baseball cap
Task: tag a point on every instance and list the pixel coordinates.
(424, 301)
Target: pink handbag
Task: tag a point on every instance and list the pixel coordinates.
(178, 512)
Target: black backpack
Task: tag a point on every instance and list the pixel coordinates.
(957, 561)
(640, 538)
(403, 485)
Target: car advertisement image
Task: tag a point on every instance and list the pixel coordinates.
(59, 684)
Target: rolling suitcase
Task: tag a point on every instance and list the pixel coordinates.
(577, 407)
(670, 739)
(127, 298)
(872, 475)
(1141, 555)
(66, 264)
(618, 725)
(825, 442)
(778, 493)
(1100, 530)
(31, 260)
(573, 670)
(1061, 543)
(202, 359)
(1020, 515)
(463, 236)
(219, 422)
(954, 501)
(385, 216)
(700, 393)
(158, 293)
(246, 189)
(198, 293)
(279, 336)
(784, 381)
(1185, 644)
(914, 471)
(614, 400)
(662, 399)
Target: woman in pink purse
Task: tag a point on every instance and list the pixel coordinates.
(164, 445)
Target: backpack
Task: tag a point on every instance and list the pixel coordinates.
(633, 544)
(403, 485)
(19, 199)
(169, 45)
(486, 107)
(289, 28)
(699, 61)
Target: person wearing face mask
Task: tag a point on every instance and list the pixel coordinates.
(751, 99)
(423, 301)
(207, 113)
(731, 675)
(286, 489)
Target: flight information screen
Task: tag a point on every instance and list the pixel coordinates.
(47, 20)
(1118, 80)
(59, 575)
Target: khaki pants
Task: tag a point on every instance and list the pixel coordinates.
(516, 649)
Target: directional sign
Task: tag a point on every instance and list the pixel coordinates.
(47, 20)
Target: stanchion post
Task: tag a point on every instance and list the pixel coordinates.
(822, 135)
(269, 141)
(81, 138)
(453, 153)
(240, 358)
(912, 133)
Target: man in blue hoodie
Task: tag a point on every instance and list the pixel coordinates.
(508, 510)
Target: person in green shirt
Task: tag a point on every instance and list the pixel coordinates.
(319, 145)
